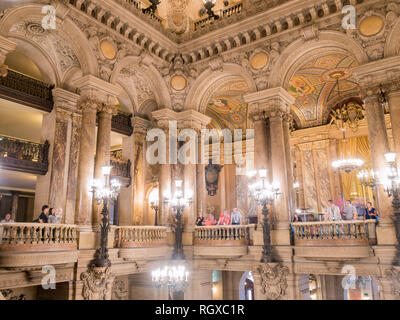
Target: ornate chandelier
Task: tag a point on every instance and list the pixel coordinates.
(171, 276)
(348, 165)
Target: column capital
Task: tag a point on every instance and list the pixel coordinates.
(372, 75)
(140, 125)
(97, 89)
(107, 109)
(65, 99)
(270, 102)
(186, 119)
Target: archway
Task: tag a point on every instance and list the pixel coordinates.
(246, 286)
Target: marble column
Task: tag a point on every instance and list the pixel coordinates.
(274, 104)
(14, 205)
(51, 188)
(86, 162)
(371, 77)
(261, 141)
(287, 119)
(132, 197)
(95, 93)
(394, 104)
(6, 46)
(57, 196)
(103, 145)
(73, 169)
(379, 143)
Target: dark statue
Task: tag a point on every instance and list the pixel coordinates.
(212, 174)
(153, 7)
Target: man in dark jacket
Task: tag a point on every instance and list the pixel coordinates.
(43, 218)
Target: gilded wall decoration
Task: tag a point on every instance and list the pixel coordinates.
(316, 90)
(227, 108)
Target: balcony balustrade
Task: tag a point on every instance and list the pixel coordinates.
(334, 239)
(41, 243)
(24, 156)
(20, 88)
(335, 232)
(122, 123)
(141, 242)
(235, 235)
(235, 9)
(141, 236)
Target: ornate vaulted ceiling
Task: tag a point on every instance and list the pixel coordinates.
(227, 108)
(314, 86)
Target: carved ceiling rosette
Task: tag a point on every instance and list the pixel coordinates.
(273, 280)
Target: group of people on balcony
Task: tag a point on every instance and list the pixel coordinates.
(225, 219)
(350, 212)
(49, 215)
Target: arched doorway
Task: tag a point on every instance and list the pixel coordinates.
(246, 286)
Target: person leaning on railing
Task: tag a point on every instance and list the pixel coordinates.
(370, 212)
(7, 219)
(349, 211)
(210, 220)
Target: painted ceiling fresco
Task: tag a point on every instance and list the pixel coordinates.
(314, 86)
(227, 108)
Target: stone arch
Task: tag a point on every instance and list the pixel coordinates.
(327, 40)
(65, 30)
(204, 84)
(298, 55)
(130, 66)
(392, 46)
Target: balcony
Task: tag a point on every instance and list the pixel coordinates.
(122, 123)
(235, 9)
(213, 241)
(334, 239)
(141, 242)
(24, 156)
(37, 244)
(25, 90)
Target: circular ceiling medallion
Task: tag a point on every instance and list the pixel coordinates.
(108, 50)
(335, 75)
(371, 26)
(259, 60)
(178, 82)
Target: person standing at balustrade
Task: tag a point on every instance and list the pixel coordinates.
(43, 218)
(7, 219)
(224, 218)
(332, 212)
(236, 217)
(370, 212)
(349, 211)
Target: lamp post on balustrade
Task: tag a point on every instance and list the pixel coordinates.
(154, 204)
(175, 275)
(264, 193)
(104, 191)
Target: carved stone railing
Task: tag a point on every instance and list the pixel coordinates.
(24, 156)
(335, 233)
(22, 89)
(122, 123)
(235, 9)
(235, 235)
(137, 7)
(122, 171)
(30, 237)
(141, 236)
